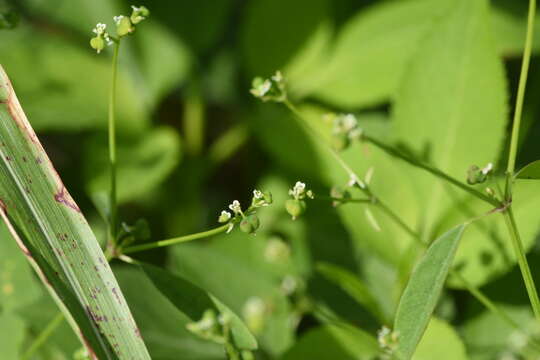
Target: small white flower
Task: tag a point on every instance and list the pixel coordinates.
(349, 122)
(264, 88)
(117, 19)
(99, 29)
(289, 284)
(298, 189)
(235, 207)
(135, 8)
(278, 77)
(382, 336)
(487, 169)
(231, 226)
(107, 39)
(257, 194)
(224, 216)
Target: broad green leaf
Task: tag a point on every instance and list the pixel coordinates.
(439, 110)
(529, 171)
(352, 285)
(371, 53)
(55, 237)
(149, 77)
(275, 30)
(57, 96)
(486, 251)
(142, 165)
(423, 291)
(339, 341)
(487, 335)
(162, 325)
(226, 272)
(18, 286)
(193, 301)
(11, 335)
(440, 342)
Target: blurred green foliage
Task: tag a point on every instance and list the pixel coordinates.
(433, 76)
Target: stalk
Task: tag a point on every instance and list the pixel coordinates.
(112, 233)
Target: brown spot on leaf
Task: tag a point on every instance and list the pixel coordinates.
(64, 198)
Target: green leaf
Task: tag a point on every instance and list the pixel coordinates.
(439, 111)
(56, 96)
(339, 341)
(55, 237)
(529, 171)
(11, 335)
(193, 301)
(423, 290)
(162, 325)
(142, 165)
(227, 272)
(371, 53)
(440, 342)
(267, 44)
(352, 285)
(486, 251)
(18, 286)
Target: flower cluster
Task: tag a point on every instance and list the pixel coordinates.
(475, 175)
(388, 340)
(297, 205)
(272, 89)
(249, 222)
(344, 130)
(101, 39)
(124, 25)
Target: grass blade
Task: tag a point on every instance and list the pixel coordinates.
(57, 240)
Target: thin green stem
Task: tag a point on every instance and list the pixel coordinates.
(316, 136)
(395, 217)
(341, 200)
(194, 119)
(521, 88)
(43, 336)
(176, 240)
(522, 261)
(475, 291)
(433, 170)
(112, 149)
(508, 213)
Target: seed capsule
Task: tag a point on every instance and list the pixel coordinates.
(295, 207)
(249, 224)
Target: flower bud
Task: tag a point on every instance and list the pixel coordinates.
(250, 224)
(224, 217)
(139, 14)
(340, 142)
(295, 207)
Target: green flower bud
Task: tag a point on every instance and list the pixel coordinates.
(250, 224)
(339, 193)
(340, 141)
(97, 43)
(475, 175)
(224, 217)
(139, 14)
(123, 25)
(295, 207)
(267, 196)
